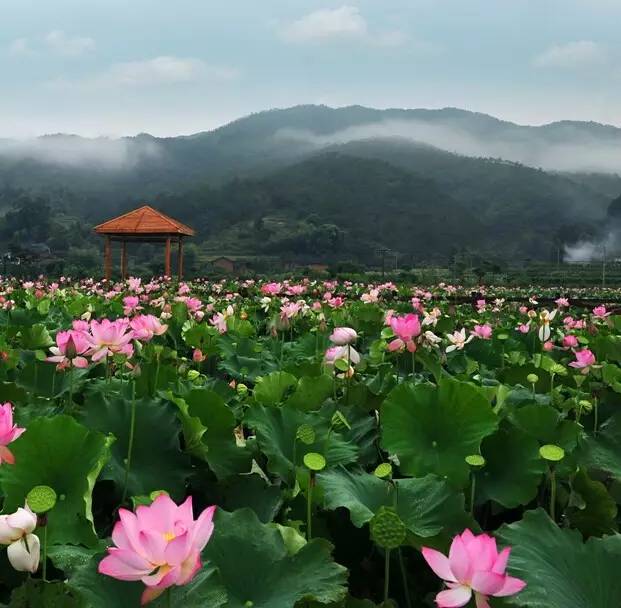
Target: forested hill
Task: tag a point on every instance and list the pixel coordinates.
(330, 183)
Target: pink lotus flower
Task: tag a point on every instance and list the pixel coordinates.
(343, 335)
(570, 341)
(8, 432)
(548, 345)
(271, 289)
(70, 346)
(600, 312)
(523, 328)
(585, 359)
(473, 565)
(110, 337)
(131, 304)
(562, 302)
(482, 331)
(159, 545)
(198, 356)
(145, 327)
(406, 328)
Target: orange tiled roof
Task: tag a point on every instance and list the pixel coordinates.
(144, 220)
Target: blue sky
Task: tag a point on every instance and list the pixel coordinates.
(119, 67)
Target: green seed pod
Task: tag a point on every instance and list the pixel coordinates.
(314, 461)
(306, 434)
(532, 378)
(383, 470)
(585, 405)
(387, 528)
(41, 499)
(242, 389)
(552, 453)
(475, 461)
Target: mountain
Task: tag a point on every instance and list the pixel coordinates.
(314, 181)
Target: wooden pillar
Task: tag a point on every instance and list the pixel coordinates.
(167, 258)
(123, 260)
(108, 258)
(180, 259)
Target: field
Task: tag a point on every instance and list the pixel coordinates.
(308, 443)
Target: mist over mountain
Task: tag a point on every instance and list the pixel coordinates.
(423, 182)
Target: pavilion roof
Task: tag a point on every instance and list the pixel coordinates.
(144, 221)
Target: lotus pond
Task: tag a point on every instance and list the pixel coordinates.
(308, 443)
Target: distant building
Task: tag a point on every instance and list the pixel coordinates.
(232, 265)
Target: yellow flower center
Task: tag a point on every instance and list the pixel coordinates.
(169, 536)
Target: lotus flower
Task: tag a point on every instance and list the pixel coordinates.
(545, 317)
(600, 312)
(147, 326)
(16, 531)
(482, 331)
(406, 328)
(8, 433)
(159, 545)
(70, 346)
(131, 304)
(585, 359)
(343, 335)
(458, 340)
(110, 337)
(474, 565)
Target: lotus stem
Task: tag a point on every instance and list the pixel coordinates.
(386, 575)
(473, 489)
(309, 505)
(552, 493)
(44, 557)
(130, 445)
(406, 589)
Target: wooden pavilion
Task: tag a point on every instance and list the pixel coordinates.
(143, 225)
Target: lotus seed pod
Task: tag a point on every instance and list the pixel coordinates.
(387, 528)
(306, 434)
(41, 499)
(532, 378)
(552, 453)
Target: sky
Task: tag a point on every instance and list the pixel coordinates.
(168, 67)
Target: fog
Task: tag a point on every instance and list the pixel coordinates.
(78, 152)
(561, 148)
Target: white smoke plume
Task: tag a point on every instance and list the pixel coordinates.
(608, 248)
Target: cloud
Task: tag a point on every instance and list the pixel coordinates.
(20, 47)
(158, 71)
(343, 22)
(72, 46)
(573, 55)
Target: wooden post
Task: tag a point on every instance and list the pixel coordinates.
(123, 260)
(108, 258)
(180, 259)
(167, 258)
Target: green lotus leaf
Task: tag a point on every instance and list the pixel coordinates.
(276, 430)
(560, 570)
(102, 591)
(432, 429)
(271, 389)
(157, 460)
(597, 513)
(513, 470)
(257, 570)
(64, 455)
(427, 505)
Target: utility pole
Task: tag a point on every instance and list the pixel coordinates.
(383, 251)
(604, 266)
